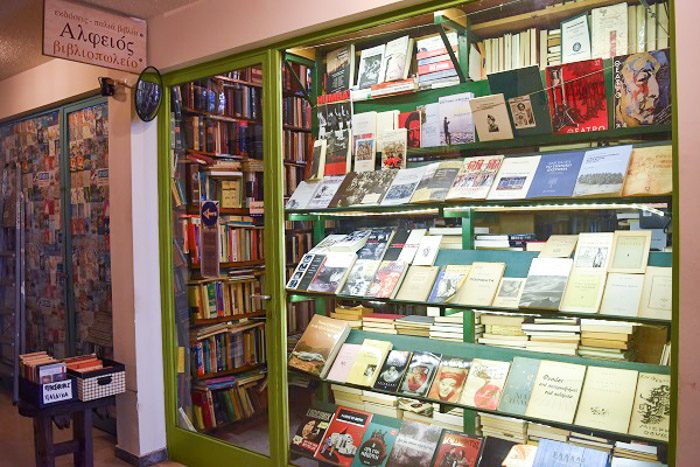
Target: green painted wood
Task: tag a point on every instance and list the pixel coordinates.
(293, 58)
(468, 230)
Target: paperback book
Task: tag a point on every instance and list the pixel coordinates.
(437, 181)
(338, 152)
(456, 123)
(388, 279)
(449, 381)
(556, 175)
(420, 374)
(481, 285)
(318, 346)
(518, 387)
(415, 445)
(418, 283)
(603, 171)
(514, 178)
(311, 430)
(343, 437)
(491, 118)
(403, 186)
(365, 155)
(607, 398)
(411, 121)
(545, 284)
(370, 71)
(509, 292)
(360, 277)
(484, 386)
(556, 391)
(593, 250)
(325, 192)
(449, 280)
(333, 272)
(457, 449)
(394, 147)
(340, 69)
(343, 362)
(650, 172)
(475, 178)
(651, 411)
(642, 89)
(392, 371)
(362, 189)
(376, 244)
(365, 369)
(377, 443)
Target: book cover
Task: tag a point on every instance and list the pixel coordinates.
(343, 437)
(313, 266)
(657, 293)
(575, 39)
(334, 117)
(449, 381)
(651, 411)
(403, 186)
(397, 59)
(559, 454)
(491, 118)
(449, 280)
(365, 370)
(418, 283)
(650, 172)
(495, 451)
(393, 370)
(456, 123)
(365, 155)
(408, 253)
(394, 147)
(481, 285)
(415, 445)
(411, 121)
(363, 189)
(299, 271)
(360, 277)
(377, 243)
(603, 171)
(556, 391)
(318, 346)
(377, 443)
(484, 386)
(630, 251)
(607, 398)
(393, 251)
(327, 245)
(430, 126)
(622, 295)
(370, 71)
(437, 181)
(593, 250)
(556, 175)
(475, 178)
(584, 291)
(642, 89)
(576, 94)
(311, 430)
(386, 121)
(559, 246)
(428, 249)
(333, 272)
(514, 178)
(420, 373)
(457, 449)
(338, 152)
(518, 387)
(509, 292)
(317, 164)
(343, 362)
(545, 283)
(364, 126)
(340, 68)
(526, 99)
(388, 279)
(325, 192)
(609, 31)
(353, 241)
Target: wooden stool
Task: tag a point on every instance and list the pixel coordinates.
(80, 413)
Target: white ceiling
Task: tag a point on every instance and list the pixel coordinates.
(21, 27)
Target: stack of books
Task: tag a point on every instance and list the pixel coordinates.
(635, 451)
(433, 60)
(451, 237)
(351, 315)
(610, 340)
(511, 429)
(553, 48)
(382, 404)
(414, 325)
(450, 420)
(41, 368)
(535, 432)
(412, 409)
(503, 330)
(381, 322)
(448, 328)
(347, 396)
(553, 335)
(593, 442)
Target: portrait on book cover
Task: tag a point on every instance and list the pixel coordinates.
(642, 89)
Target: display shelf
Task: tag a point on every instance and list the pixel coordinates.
(226, 79)
(233, 371)
(224, 319)
(236, 264)
(218, 155)
(223, 118)
(295, 164)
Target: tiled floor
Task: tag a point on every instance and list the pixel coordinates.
(17, 441)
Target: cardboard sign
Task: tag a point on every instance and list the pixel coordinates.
(57, 392)
(90, 35)
(210, 239)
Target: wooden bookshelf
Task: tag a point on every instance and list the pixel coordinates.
(223, 118)
(295, 164)
(224, 319)
(233, 371)
(222, 211)
(232, 81)
(237, 264)
(218, 155)
(300, 129)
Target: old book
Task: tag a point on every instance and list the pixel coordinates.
(475, 178)
(418, 283)
(481, 285)
(343, 362)
(521, 380)
(363, 189)
(302, 195)
(310, 432)
(370, 71)
(622, 295)
(408, 253)
(593, 250)
(360, 277)
(343, 437)
(603, 171)
(491, 118)
(386, 121)
(650, 172)
(456, 122)
(609, 30)
(309, 274)
(411, 121)
(630, 251)
(437, 181)
(420, 374)
(556, 175)
(427, 250)
(387, 281)
(318, 346)
(331, 276)
(509, 292)
(364, 126)
(607, 398)
(415, 445)
(545, 284)
(403, 186)
(584, 291)
(394, 148)
(657, 293)
(449, 380)
(556, 391)
(457, 449)
(338, 152)
(397, 59)
(340, 68)
(325, 192)
(449, 280)
(515, 177)
(317, 164)
(392, 371)
(365, 369)
(377, 443)
(561, 454)
(559, 246)
(575, 39)
(365, 154)
(377, 244)
(484, 386)
(651, 411)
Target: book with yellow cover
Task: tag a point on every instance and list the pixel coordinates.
(630, 251)
(559, 246)
(369, 361)
(657, 298)
(509, 291)
(623, 293)
(584, 291)
(650, 172)
(418, 283)
(556, 392)
(481, 285)
(651, 411)
(607, 398)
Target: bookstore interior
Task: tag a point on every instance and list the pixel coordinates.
(439, 237)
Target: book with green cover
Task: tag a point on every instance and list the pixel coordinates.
(521, 379)
(377, 443)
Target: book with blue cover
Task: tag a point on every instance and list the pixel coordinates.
(558, 454)
(556, 175)
(377, 443)
(521, 379)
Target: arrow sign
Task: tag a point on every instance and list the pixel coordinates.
(209, 213)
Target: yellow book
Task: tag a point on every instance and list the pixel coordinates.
(650, 172)
(651, 407)
(509, 291)
(607, 398)
(369, 361)
(481, 285)
(556, 392)
(559, 246)
(657, 297)
(584, 291)
(418, 283)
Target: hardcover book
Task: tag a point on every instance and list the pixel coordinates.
(415, 445)
(333, 272)
(456, 123)
(318, 346)
(437, 181)
(491, 118)
(393, 370)
(365, 155)
(403, 186)
(651, 411)
(311, 430)
(363, 189)
(457, 449)
(317, 165)
(576, 94)
(418, 283)
(475, 178)
(340, 68)
(607, 398)
(394, 147)
(622, 295)
(343, 362)
(420, 374)
(630, 251)
(518, 387)
(411, 121)
(388, 279)
(370, 71)
(556, 175)
(650, 172)
(559, 246)
(428, 249)
(545, 284)
(593, 250)
(558, 454)
(603, 171)
(642, 89)
(481, 285)
(449, 280)
(509, 292)
(449, 381)
(360, 277)
(556, 391)
(365, 370)
(325, 192)
(514, 178)
(343, 437)
(377, 443)
(584, 291)
(484, 386)
(657, 300)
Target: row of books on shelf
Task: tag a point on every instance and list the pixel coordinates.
(241, 139)
(231, 296)
(299, 315)
(42, 368)
(227, 347)
(605, 172)
(597, 397)
(220, 180)
(239, 240)
(303, 74)
(297, 244)
(252, 75)
(218, 98)
(608, 273)
(298, 147)
(296, 111)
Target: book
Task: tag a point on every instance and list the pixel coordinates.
(428, 249)
(377, 443)
(420, 374)
(559, 454)
(415, 444)
(593, 250)
(449, 380)
(603, 171)
(575, 39)
(609, 30)
(394, 147)
(302, 195)
(393, 370)
(365, 155)
(340, 68)
(607, 398)
(514, 178)
(403, 186)
(650, 172)
(556, 391)
(545, 284)
(365, 370)
(630, 251)
(481, 285)
(518, 386)
(386, 121)
(411, 121)
(622, 295)
(556, 175)
(388, 279)
(521, 455)
(360, 277)
(343, 362)
(657, 294)
(491, 118)
(352, 242)
(310, 432)
(456, 122)
(651, 411)
(343, 437)
(370, 71)
(318, 346)
(449, 280)
(559, 246)
(642, 101)
(495, 451)
(509, 292)
(376, 244)
(362, 189)
(576, 94)
(431, 125)
(317, 164)
(331, 276)
(475, 178)
(364, 126)
(338, 152)
(457, 449)
(325, 192)
(584, 291)
(312, 268)
(397, 58)
(484, 386)
(437, 181)
(418, 283)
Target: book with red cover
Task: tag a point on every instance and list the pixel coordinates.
(457, 449)
(411, 121)
(577, 101)
(343, 437)
(388, 279)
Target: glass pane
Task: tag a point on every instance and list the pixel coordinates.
(217, 154)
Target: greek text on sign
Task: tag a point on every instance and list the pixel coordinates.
(57, 392)
(90, 35)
